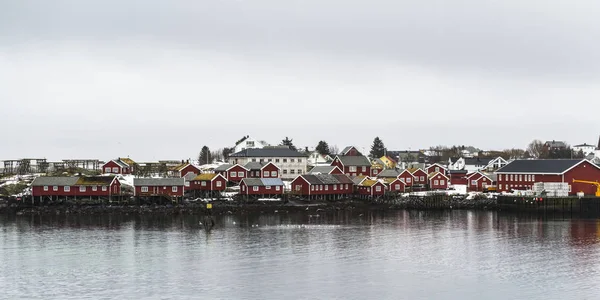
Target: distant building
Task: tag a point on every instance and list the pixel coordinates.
(585, 148)
(555, 145)
(249, 143)
(290, 162)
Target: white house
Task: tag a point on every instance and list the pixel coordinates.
(585, 148)
(476, 164)
(249, 143)
(318, 159)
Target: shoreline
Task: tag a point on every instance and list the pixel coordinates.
(231, 207)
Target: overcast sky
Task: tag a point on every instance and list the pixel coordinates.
(159, 79)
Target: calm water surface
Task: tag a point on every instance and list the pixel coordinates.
(399, 255)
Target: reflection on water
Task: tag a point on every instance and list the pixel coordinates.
(404, 254)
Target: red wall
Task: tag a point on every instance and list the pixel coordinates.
(371, 190)
(405, 176)
(418, 174)
(392, 186)
(584, 171)
(262, 190)
(210, 185)
(438, 186)
(236, 169)
(346, 169)
(306, 188)
(159, 190)
(271, 168)
(189, 168)
(114, 189)
(431, 169)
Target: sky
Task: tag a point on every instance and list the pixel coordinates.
(159, 79)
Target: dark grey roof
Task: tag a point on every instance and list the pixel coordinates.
(263, 181)
(253, 166)
(388, 173)
(58, 181)
(354, 160)
(539, 166)
(321, 170)
(478, 161)
(327, 179)
(312, 179)
(584, 145)
(224, 167)
(346, 149)
(158, 181)
(343, 178)
(268, 152)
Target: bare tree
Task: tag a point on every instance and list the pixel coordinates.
(334, 150)
(536, 149)
(513, 153)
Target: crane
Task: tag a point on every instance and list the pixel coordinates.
(596, 183)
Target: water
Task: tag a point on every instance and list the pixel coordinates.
(399, 255)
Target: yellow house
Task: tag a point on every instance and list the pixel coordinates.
(388, 162)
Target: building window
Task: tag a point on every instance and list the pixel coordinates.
(500, 186)
(346, 185)
(266, 173)
(520, 177)
(144, 189)
(442, 182)
(232, 174)
(292, 160)
(511, 177)
(284, 172)
(473, 182)
(299, 171)
(435, 182)
(67, 188)
(408, 180)
(268, 187)
(270, 160)
(299, 160)
(277, 188)
(55, 188)
(277, 160)
(240, 174)
(352, 168)
(378, 188)
(422, 178)
(569, 188)
(243, 188)
(115, 170)
(285, 160)
(397, 187)
(312, 187)
(335, 187)
(273, 173)
(499, 177)
(326, 187)
(174, 189)
(45, 188)
(82, 188)
(255, 188)
(94, 188)
(104, 188)
(437, 169)
(218, 184)
(254, 160)
(203, 183)
(364, 169)
(375, 172)
(261, 160)
(298, 188)
(292, 171)
(107, 170)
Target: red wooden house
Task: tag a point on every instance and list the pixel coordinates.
(186, 170)
(522, 174)
(421, 177)
(233, 173)
(370, 188)
(265, 187)
(457, 177)
(350, 151)
(407, 177)
(438, 181)
(478, 182)
(323, 186)
(436, 168)
(159, 187)
(119, 166)
(208, 182)
(395, 185)
(262, 170)
(76, 186)
(353, 165)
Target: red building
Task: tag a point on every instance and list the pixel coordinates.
(233, 173)
(420, 176)
(159, 187)
(436, 168)
(457, 177)
(407, 177)
(478, 182)
(353, 165)
(119, 166)
(395, 185)
(262, 170)
(350, 151)
(261, 187)
(522, 174)
(77, 186)
(325, 185)
(325, 170)
(370, 188)
(438, 181)
(208, 182)
(186, 170)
